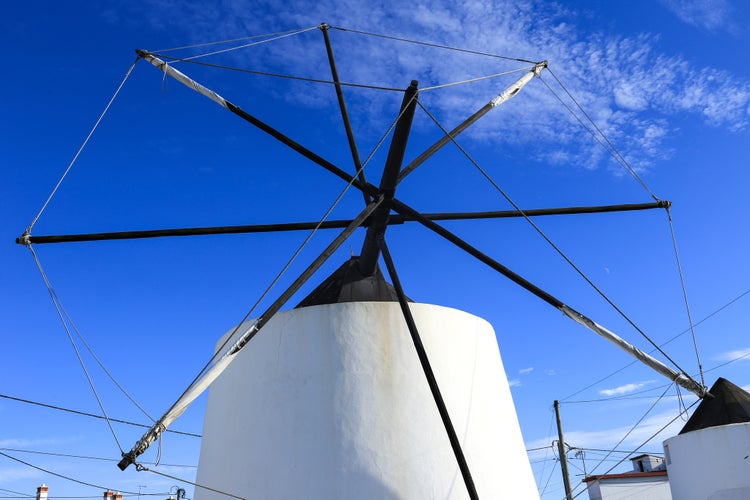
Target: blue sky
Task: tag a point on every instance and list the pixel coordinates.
(663, 79)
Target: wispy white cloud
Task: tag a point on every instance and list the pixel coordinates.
(711, 15)
(624, 389)
(734, 355)
(10, 474)
(524, 371)
(608, 437)
(626, 85)
(514, 382)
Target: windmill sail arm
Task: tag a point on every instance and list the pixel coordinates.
(679, 378)
(190, 395)
(201, 384)
(233, 108)
(182, 78)
(502, 97)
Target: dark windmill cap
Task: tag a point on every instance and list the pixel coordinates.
(348, 284)
(730, 405)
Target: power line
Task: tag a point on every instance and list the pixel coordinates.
(84, 457)
(85, 414)
(62, 476)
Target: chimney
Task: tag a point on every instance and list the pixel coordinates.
(118, 496)
(109, 495)
(41, 492)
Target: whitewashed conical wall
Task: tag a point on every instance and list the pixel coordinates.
(330, 402)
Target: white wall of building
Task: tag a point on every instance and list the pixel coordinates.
(330, 402)
(710, 464)
(653, 488)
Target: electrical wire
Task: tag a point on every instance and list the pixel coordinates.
(649, 439)
(197, 485)
(632, 429)
(85, 414)
(62, 476)
(84, 457)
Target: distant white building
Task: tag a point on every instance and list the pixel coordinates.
(710, 457)
(647, 481)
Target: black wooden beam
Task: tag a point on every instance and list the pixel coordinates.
(332, 224)
(429, 374)
(344, 114)
(370, 248)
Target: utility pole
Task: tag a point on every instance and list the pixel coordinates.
(561, 452)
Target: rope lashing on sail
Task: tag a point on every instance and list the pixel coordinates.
(682, 379)
(513, 89)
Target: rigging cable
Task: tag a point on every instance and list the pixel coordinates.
(294, 256)
(552, 470)
(549, 241)
(707, 317)
(70, 165)
(477, 79)
(58, 307)
(684, 295)
(275, 75)
(547, 448)
(633, 428)
(652, 436)
(244, 46)
(618, 157)
(434, 45)
(231, 40)
(69, 320)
